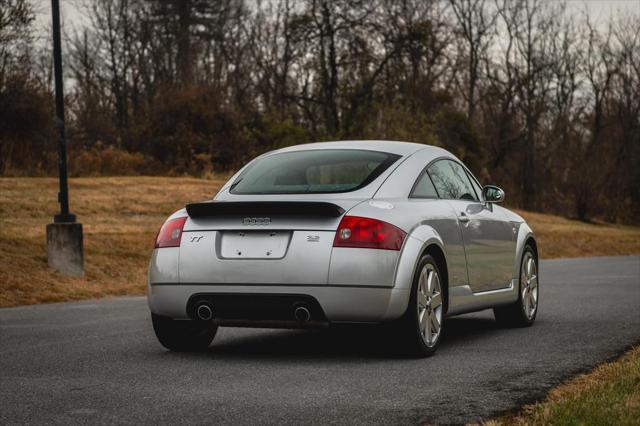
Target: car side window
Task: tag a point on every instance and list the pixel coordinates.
(451, 181)
(424, 188)
(475, 185)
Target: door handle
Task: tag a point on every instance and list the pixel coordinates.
(463, 217)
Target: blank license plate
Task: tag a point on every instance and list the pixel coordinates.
(254, 245)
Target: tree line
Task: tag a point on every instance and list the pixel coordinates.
(543, 101)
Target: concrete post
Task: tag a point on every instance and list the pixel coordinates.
(64, 248)
(64, 235)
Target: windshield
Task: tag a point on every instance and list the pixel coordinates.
(313, 172)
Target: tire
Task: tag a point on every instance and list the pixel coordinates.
(183, 335)
(523, 312)
(422, 326)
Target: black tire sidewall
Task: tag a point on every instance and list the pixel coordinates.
(186, 335)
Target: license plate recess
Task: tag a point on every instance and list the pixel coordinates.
(254, 244)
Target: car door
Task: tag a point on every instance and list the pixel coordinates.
(488, 238)
(439, 214)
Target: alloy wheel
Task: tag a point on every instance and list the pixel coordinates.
(429, 305)
(529, 285)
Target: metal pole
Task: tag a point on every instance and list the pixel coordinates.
(63, 195)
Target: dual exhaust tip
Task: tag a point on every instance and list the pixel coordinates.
(301, 313)
(204, 312)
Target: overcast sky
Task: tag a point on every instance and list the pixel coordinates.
(598, 9)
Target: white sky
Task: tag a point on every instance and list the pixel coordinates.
(599, 10)
(604, 8)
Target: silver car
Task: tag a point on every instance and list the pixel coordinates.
(343, 232)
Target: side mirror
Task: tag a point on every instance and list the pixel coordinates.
(492, 194)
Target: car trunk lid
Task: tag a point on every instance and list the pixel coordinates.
(260, 242)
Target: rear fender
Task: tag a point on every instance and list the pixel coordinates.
(417, 241)
(164, 263)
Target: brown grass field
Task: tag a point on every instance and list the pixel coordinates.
(121, 216)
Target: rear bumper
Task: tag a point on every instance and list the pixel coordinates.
(338, 303)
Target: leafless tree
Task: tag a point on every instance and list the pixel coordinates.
(476, 23)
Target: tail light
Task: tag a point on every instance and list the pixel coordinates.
(171, 233)
(364, 232)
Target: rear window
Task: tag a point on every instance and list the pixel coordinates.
(313, 172)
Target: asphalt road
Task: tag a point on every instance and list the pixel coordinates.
(99, 362)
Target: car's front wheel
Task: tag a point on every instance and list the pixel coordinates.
(183, 335)
(422, 324)
(523, 312)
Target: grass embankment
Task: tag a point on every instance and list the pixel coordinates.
(561, 237)
(121, 216)
(608, 395)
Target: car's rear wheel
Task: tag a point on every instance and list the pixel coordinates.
(422, 324)
(523, 312)
(183, 335)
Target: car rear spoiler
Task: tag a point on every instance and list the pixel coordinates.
(263, 208)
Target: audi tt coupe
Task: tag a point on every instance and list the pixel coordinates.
(343, 232)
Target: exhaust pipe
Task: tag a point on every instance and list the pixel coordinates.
(302, 314)
(204, 312)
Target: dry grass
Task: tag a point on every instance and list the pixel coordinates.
(121, 216)
(561, 237)
(610, 394)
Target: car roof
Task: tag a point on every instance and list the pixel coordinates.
(392, 147)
